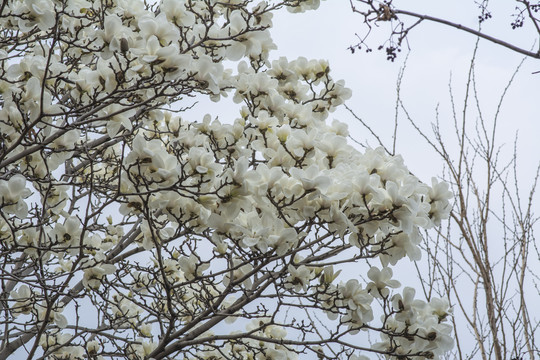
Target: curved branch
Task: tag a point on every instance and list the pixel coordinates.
(495, 40)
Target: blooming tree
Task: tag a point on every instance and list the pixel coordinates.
(128, 231)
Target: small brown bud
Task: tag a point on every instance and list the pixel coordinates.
(124, 45)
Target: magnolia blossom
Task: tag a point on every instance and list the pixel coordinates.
(177, 13)
(311, 178)
(149, 160)
(94, 275)
(115, 36)
(140, 349)
(439, 195)
(40, 13)
(54, 316)
(68, 233)
(357, 301)
(117, 117)
(65, 351)
(191, 266)
(381, 281)
(23, 298)
(125, 308)
(421, 319)
(12, 195)
(240, 272)
(93, 347)
(299, 278)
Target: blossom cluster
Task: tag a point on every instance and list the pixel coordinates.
(166, 226)
(421, 326)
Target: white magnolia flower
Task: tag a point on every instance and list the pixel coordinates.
(24, 298)
(381, 280)
(402, 245)
(439, 197)
(93, 347)
(87, 81)
(154, 53)
(12, 195)
(117, 116)
(146, 330)
(67, 141)
(440, 308)
(49, 340)
(357, 301)
(54, 315)
(407, 306)
(29, 66)
(38, 13)
(439, 191)
(239, 271)
(329, 275)
(159, 28)
(192, 266)
(112, 28)
(335, 147)
(150, 160)
(94, 275)
(132, 9)
(312, 178)
(358, 357)
(209, 72)
(106, 75)
(299, 278)
(176, 13)
(258, 43)
(67, 234)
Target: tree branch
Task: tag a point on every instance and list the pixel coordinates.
(495, 40)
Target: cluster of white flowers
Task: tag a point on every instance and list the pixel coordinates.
(260, 328)
(12, 195)
(421, 326)
(204, 211)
